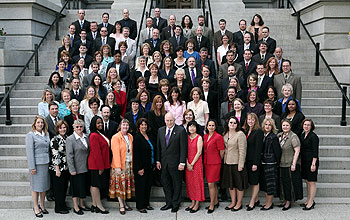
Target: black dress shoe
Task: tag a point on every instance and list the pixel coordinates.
(50, 198)
(98, 210)
(188, 209)
(62, 212)
(235, 210)
(309, 208)
(93, 208)
(85, 208)
(67, 208)
(166, 207)
(228, 208)
(265, 209)
(38, 215)
(127, 208)
(142, 210)
(44, 211)
(194, 210)
(211, 210)
(250, 208)
(149, 208)
(175, 209)
(286, 208)
(257, 203)
(79, 212)
(281, 205)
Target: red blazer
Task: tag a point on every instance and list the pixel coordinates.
(99, 153)
(212, 148)
(120, 99)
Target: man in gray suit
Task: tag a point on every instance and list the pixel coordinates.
(171, 159)
(207, 32)
(227, 106)
(287, 76)
(230, 56)
(147, 32)
(87, 79)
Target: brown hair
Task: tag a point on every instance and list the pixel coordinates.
(256, 124)
(59, 124)
(154, 102)
(185, 113)
(268, 68)
(45, 123)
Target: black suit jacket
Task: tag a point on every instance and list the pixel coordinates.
(70, 120)
(98, 43)
(213, 84)
(90, 37)
(166, 33)
(257, 58)
(240, 50)
(255, 146)
(142, 153)
(132, 25)
(88, 45)
(86, 26)
(188, 74)
(153, 48)
(134, 76)
(72, 52)
(262, 91)
(204, 43)
(79, 97)
(238, 37)
(271, 43)
(209, 63)
(124, 71)
(88, 60)
(112, 129)
(213, 103)
(251, 69)
(169, 77)
(175, 152)
(130, 118)
(110, 28)
(161, 24)
(76, 37)
(185, 90)
(51, 126)
(225, 84)
(173, 41)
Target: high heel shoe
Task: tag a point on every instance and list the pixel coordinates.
(265, 209)
(235, 210)
(286, 208)
(309, 208)
(215, 206)
(44, 211)
(211, 210)
(122, 212)
(98, 210)
(38, 215)
(194, 210)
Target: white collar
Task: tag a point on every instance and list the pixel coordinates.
(77, 136)
(38, 133)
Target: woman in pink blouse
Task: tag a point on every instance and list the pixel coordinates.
(175, 105)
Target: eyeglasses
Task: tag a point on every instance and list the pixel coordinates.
(103, 31)
(233, 122)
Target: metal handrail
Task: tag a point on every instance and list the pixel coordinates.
(141, 22)
(289, 3)
(7, 94)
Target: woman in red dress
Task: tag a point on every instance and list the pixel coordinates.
(194, 171)
(214, 150)
(120, 96)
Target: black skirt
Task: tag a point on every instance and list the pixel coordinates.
(291, 184)
(253, 177)
(306, 172)
(99, 181)
(269, 179)
(78, 185)
(232, 178)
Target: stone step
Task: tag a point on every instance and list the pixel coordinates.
(18, 119)
(34, 79)
(28, 93)
(13, 162)
(14, 174)
(21, 110)
(316, 101)
(323, 110)
(13, 188)
(334, 163)
(326, 119)
(25, 101)
(16, 128)
(16, 139)
(332, 129)
(315, 79)
(333, 176)
(31, 86)
(12, 150)
(321, 93)
(334, 139)
(334, 151)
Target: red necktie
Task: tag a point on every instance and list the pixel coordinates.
(246, 66)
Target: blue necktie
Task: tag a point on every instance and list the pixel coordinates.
(193, 77)
(167, 138)
(103, 42)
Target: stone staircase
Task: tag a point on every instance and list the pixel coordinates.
(321, 101)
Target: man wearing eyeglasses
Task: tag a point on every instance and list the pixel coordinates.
(104, 39)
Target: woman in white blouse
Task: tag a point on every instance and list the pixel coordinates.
(222, 49)
(199, 107)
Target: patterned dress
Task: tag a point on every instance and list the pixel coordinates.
(194, 178)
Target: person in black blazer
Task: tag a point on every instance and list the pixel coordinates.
(135, 110)
(110, 127)
(264, 84)
(81, 23)
(248, 65)
(83, 40)
(178, 39)
(201, 41)
(271, 43)
(83, 54)
(76, 92)
(131, 24)
(263, 56)
(52, 118)
(294, 114)
(191, 65)
(105, 23)
(72, 34)
(211, 97)
(67, 46)
(278, 54)
(73, 106)
(309, 147)
(238, 37)
(159, 22)
(154, 42)
(255, 138)
(203, 53)
(168, 31)
(247, 44)
(124, 69)
(143, 163)
(94, 32)
(135, 74)
(206, 75)
(171, 159)
(104, 38)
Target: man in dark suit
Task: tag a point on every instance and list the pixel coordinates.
(104, 39)
(205, 75)
(271, 43)
(82, 54)
(178, 40)
(238, 37)
(171, 160)
(123, 69)
(88, 78)
(127, 22)
(263, 82)
(72, 34)
(94, 33)
(230, 56)
(223, 31)
(159, 22)
(191, 72)
(287, 76)
(248, 65)
(279, 57)
(225, 83)
(227, 106)
(247, 44)
(202, 41)
(83, 40)
(168, 31)
(81, 23)
(154, 42)
(203, 53)
(76, 92)
(110, 127)
(105, 23)
(263, 56)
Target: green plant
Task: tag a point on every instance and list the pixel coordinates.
(2, 32)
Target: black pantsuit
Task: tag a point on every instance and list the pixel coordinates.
(291, 184)
(60, 186)
(143, 185)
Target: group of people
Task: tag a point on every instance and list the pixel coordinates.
(112, 123)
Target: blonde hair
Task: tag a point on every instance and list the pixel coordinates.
(66, 37)
(43, 97)
(272, 122)
(36, 118)
(108, 74)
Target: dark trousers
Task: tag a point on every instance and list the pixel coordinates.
(143, 185)
(60, 185)
(172, 181)
(291, 184)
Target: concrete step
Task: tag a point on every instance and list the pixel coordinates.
(25, 101)
(334, 151)
(316, 101)
(22, 110)
(14, 174)
(333, 176)
(14, 188)
(321, 93)
(332, 129)
(16, 139)
(12, 150)
(34, 79)
(13, 162)
(323, 110)
(28, 93)
(18, 119)
(16, 128)
(334, 163)
(315, 79)
(334, 139)
(326, 119)
(31, 86)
